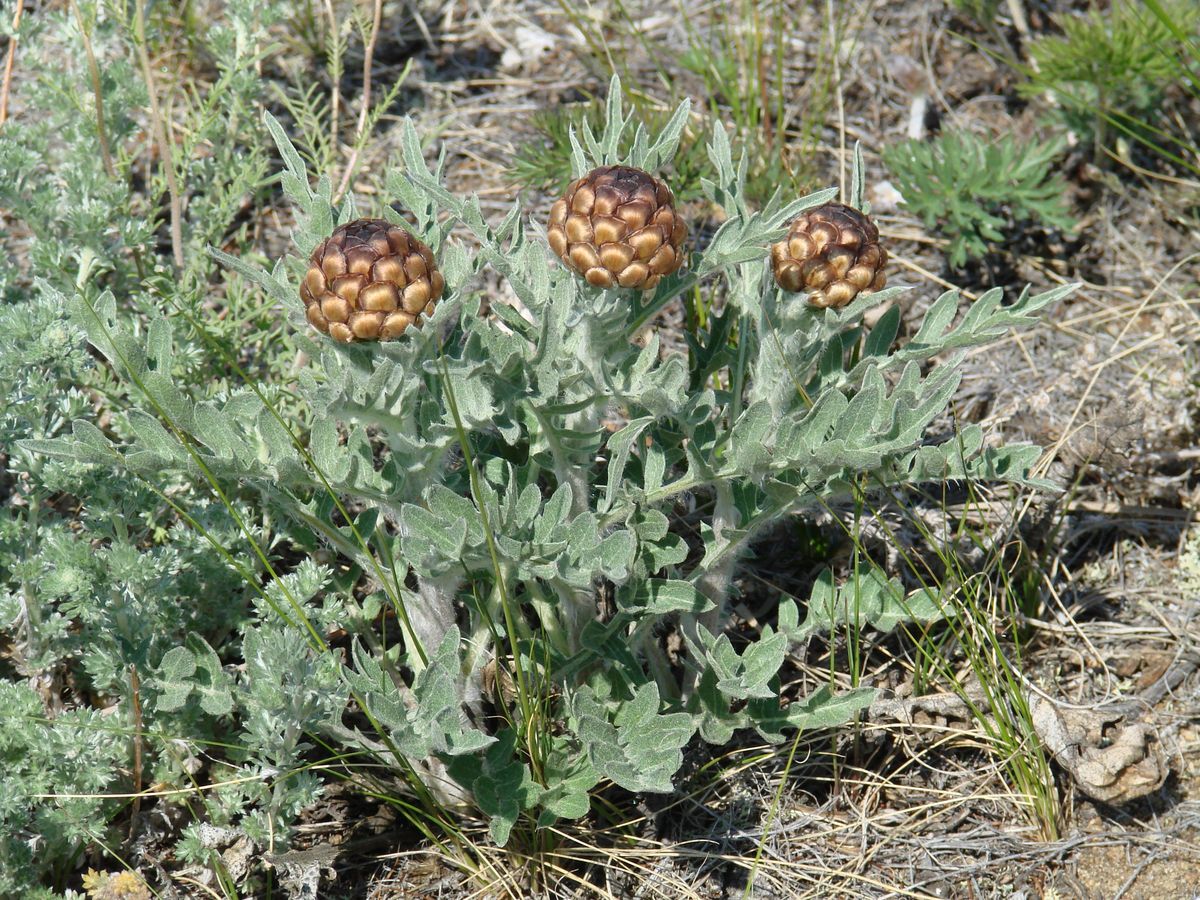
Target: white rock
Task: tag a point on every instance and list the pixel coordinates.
(530, 44)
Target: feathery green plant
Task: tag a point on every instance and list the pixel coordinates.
(1109, 69)
(973, 192)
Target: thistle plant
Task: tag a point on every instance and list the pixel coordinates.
(480, 476)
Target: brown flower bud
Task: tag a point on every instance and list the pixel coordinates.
(833, 252)
(368, 281)
(617, 227)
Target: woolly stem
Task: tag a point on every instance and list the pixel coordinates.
(429, 619)
(715, 582)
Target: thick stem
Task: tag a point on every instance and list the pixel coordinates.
(587, 419)
(660, 666)
(479, 652)
(773, 378)
(431, 772)
(715, 582)
(578, 607)
(565, 470)
(549, 618)
(431, 618)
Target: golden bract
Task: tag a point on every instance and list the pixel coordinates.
(369, 281)
(617, 226)
(833, 252)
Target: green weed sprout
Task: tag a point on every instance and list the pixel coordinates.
(973, 191)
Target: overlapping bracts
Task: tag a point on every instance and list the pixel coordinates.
(617, 227)
(833, 252)
(369, 281)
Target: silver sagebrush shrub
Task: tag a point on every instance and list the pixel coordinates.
(468, 474)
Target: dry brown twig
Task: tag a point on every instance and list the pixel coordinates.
(365, 111)
(335, 99)
(166, 156)
(9, 60)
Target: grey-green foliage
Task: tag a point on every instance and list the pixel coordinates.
(114, 588)
(973, 191)
(457, 470)
(55, 773)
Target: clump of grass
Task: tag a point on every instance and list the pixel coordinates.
(742, 60)
(1110, 72)
(982, 638)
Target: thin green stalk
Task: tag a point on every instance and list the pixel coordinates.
(772, 812)
(165, 149)
(97, 92)
(524, 687)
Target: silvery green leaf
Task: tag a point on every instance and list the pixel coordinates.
(858, 181)
(160, 346)
(500, 783)
(425, 530)
(554, 513)
(749, 441)
(326, 453)
(936, 318)
(867, 599)
(820, 709)
(616, 555)
(742, 676)
(883, 335)
(87, 444)
(568, 775)
(214, 430)
(658, 548)
(658, 596)
(153, 437)
(653, 468)
(193, 669)
(629, 742)
(438, 716)
(619, 446)
(174, 681)
(717, 721)
(662, 151)
(268, 281)
(98, 319)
